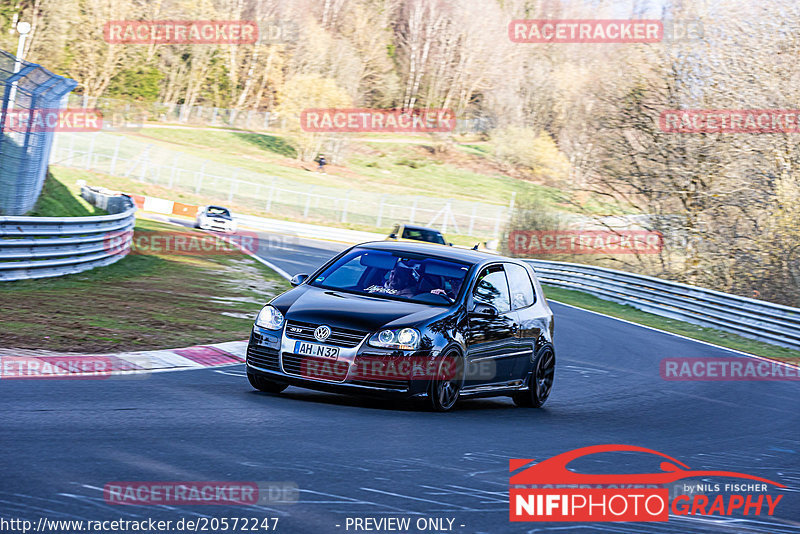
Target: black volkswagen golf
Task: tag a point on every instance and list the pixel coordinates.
(409, 320)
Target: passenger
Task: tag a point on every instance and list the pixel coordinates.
(455, 287)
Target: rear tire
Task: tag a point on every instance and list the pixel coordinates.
(446, 387)
(267, 386)
(540, 383)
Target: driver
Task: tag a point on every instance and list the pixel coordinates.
(402, 281)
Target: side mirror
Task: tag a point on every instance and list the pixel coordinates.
(488, 310)
(450, 244)
(392, 236)
(298, 279)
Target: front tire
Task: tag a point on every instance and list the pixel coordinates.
(262, 384)
(446, 386)
(540, 383)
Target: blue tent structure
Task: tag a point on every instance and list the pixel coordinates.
(24, 146)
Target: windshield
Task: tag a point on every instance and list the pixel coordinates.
(429, 236)
(395, 275)
(213, 210)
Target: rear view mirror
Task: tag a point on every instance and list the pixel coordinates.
(488, 310)
(298, 279)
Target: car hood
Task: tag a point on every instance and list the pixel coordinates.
(346, 310)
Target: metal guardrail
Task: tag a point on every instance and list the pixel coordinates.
(746, 317)
(39, 247)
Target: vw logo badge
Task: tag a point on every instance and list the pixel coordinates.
(322, 333)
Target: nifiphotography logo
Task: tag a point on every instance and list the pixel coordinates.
(549, 491)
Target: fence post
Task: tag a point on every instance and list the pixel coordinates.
(344, 209)
(114, 157)
(308, 202)
(199, 179)
(269, 197)
(71, 149)
(143, 174)
(90, 153)
(234, 183)
(174, 169)
(497, 222)
(472, 220)
(380, 213)
(445, 215)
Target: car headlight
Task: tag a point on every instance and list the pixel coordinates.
(270, 318)
(404, 338)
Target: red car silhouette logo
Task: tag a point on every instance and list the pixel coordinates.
(554, 470)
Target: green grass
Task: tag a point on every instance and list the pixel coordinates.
(60, 200)
(131, 186)
(384, 168)
(710, 335)
(144, 301)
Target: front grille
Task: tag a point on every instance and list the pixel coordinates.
(341, 337)
(263, 357)
(398, 385)
(314, 368)
(380, 376)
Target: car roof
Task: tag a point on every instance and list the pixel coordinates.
(217, 207)
(464, 255)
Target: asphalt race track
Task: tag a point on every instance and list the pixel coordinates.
(350, 457)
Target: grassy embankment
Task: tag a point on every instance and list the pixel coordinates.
(144, 301)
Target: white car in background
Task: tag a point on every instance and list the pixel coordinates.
(215, 218)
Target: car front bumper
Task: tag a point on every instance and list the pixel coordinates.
(271, 354)
(217, 225)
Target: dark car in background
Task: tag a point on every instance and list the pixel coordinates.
(409, 320)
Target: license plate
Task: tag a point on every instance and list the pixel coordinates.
(318, 351)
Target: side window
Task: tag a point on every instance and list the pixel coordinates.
(491, 287)
(522, 293)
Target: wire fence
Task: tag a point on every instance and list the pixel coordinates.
(267, 194)
(29, 91)
(137, 113)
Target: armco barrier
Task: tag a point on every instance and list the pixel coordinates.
(39, 247)
(747, 317)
